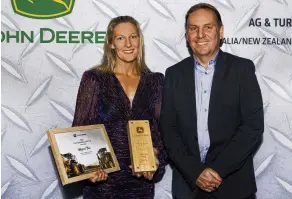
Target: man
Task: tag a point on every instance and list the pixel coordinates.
(212, 115)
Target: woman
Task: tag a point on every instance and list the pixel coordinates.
(122, 88)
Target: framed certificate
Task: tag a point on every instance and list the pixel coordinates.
(80, 151)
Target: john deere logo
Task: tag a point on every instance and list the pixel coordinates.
(42, 9)
(140, 129)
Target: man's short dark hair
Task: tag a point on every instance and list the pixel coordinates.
(207, 7)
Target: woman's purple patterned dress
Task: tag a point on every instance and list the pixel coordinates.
(102, 100)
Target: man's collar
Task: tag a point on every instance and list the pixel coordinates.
(211, 63)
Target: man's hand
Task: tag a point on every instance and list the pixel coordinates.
(209, 180)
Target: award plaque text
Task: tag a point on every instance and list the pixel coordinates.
(141, 148)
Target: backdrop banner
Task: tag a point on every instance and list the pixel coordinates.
(47, 45)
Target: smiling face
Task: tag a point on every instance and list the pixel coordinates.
(203, 33)
(125, 42)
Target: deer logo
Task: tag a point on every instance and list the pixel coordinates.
(43, 9)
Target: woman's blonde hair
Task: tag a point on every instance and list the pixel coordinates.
(109, 57)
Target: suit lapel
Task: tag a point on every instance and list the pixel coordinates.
(190, 86)
(220, 69)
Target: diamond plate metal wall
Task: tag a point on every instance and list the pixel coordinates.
(40, 82)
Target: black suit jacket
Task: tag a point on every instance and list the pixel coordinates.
(235, 124)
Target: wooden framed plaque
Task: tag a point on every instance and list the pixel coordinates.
(80, 151)
(141, 147)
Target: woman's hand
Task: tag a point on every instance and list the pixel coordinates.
(156, 157)
(100, 175)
